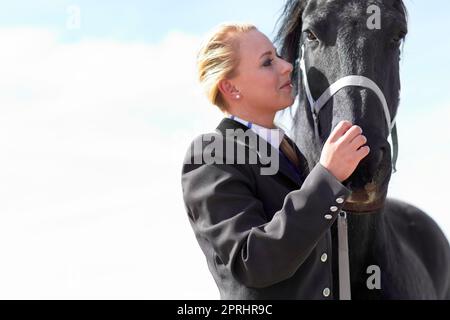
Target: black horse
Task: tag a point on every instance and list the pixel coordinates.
(411, 251)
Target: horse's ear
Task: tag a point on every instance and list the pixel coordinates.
(289, 32)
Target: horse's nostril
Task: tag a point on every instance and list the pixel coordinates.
(376, 154)
(383, 153)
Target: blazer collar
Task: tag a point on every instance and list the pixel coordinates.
(273, 136)
(284, 167)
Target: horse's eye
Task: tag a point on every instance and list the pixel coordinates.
(399, 37)
(310, 36)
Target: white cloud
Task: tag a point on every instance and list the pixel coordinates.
(92, 136)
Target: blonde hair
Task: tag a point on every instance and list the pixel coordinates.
(218, 59)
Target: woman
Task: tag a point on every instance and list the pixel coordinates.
(264, 236)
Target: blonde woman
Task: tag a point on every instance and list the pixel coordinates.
(263, 236)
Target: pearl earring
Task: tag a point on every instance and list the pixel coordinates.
(238, 96)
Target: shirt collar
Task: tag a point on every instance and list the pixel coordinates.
(273, 136)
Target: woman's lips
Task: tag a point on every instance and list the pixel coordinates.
(287, 86)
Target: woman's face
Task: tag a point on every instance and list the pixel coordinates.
(263, 79)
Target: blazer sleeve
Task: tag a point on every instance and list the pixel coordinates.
(224, 211)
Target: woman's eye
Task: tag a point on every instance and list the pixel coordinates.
(268, 63)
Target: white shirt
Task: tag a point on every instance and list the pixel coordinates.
(273, 136)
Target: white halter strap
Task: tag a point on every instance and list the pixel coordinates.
(352, 80)
(347, 81)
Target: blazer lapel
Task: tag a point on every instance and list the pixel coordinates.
(284, 167)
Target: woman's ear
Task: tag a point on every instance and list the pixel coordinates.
(228, 90)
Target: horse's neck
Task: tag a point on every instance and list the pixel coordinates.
(368, 241)
(372, 256)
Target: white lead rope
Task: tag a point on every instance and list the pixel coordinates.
(344, 263)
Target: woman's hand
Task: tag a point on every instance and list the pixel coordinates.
(341, 153)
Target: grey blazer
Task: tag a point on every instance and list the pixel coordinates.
(263, 236)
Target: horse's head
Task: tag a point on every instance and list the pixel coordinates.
(342, 38)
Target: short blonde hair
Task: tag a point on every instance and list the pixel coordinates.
(218, 59)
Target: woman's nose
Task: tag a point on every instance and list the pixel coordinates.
(287, 67)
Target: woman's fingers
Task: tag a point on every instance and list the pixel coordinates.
(351, 134)
(344, 150)
(358, 141)
(340, 130)
(361, 153)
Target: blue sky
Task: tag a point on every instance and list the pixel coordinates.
(425, 67)
(137, 20)
(95, 122)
